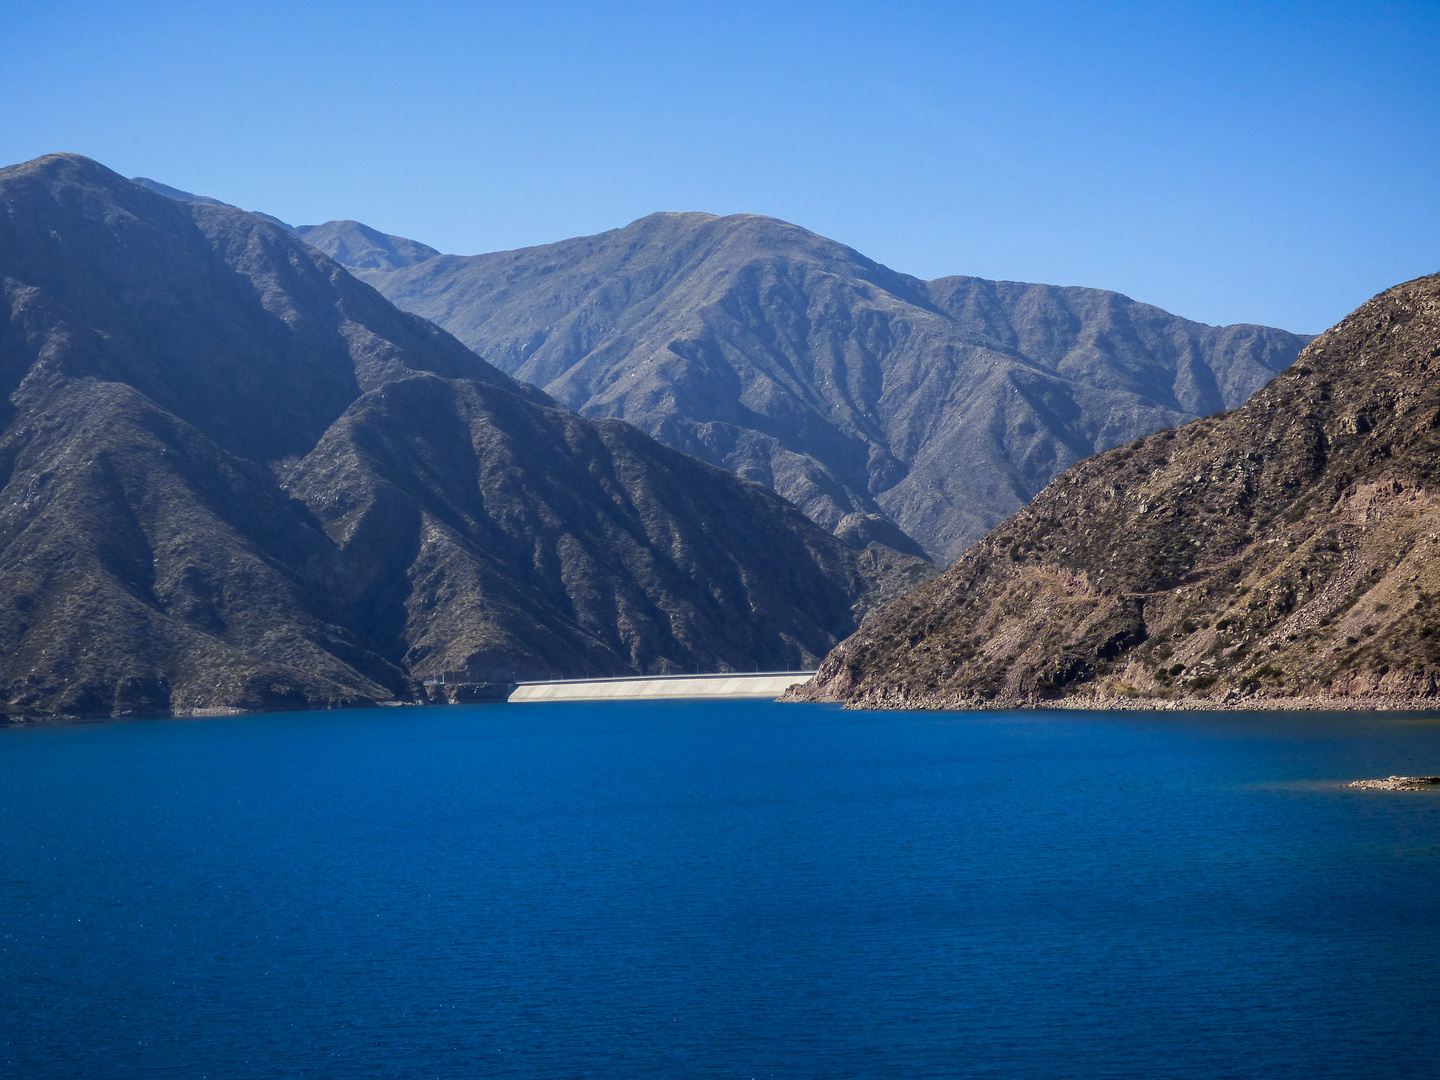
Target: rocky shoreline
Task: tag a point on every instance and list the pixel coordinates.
(1242, 703)
(1231, 702)
(799, 695)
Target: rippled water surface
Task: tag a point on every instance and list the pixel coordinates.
(719, 890)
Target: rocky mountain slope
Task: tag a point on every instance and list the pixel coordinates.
(233, 476)
(940, 407)
(1286, 551)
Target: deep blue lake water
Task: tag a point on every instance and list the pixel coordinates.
(719, 890)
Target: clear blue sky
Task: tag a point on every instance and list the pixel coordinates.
(1260, 162)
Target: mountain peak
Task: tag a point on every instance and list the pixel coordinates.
(682, 218)
(847, 387)
(360, 247)
(62, 159)
(159, 274)
(65, 169)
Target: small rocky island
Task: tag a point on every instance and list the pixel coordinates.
(1397, 783)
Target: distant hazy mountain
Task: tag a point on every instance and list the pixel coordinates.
(1286, 550)
(234, 476)
(795, 361)
(363, 248)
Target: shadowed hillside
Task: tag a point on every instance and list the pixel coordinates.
(236, 477)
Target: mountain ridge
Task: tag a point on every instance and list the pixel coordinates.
(846, 386)
(232, 476)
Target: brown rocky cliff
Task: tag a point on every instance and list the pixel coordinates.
(1283, 551)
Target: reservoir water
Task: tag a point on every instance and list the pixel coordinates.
(729, 889)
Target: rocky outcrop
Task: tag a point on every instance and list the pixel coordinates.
(1397, 783)
(1284, 553)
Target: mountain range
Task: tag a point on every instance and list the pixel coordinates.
(234, 476)
(1283, 553)
(883, 406)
